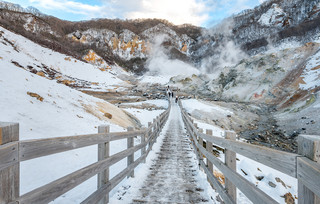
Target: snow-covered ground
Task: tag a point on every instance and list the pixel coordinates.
(15, 48)
(45, 109)
(272, 182)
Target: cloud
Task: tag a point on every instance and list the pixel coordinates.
(196, 12)
(68, 6)
(177, 11)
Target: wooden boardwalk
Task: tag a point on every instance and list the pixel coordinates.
(172, 177)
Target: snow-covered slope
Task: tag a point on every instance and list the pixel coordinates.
(42, 61)
(44, 109)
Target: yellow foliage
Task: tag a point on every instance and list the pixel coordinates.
(94, 83)
(1, 58)
(67, 82)
(41, 74)
(35, 95)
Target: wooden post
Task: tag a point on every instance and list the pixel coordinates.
(103, 153)
(308, 146)
(201, 143)
(230, 160)
(209, 149)
(143, 140)
(10, 176)
(196, 126)
(149, 135)
(130, 159)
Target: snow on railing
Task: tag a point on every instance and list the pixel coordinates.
(13, 151)
(304, 166)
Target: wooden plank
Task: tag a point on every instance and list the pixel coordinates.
(130, 144)
(98, 195)
(309, 146)
(30, 149)
(308, 169)
(103, 153)
(143, 140)
(9, 154)
(9, 176)
(309, 174)
(279, 160)
(249, 189)
(9, 132)
(210, 150)
(214, 181)
(51, 191)
(230, 161)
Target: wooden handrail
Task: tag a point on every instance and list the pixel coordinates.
(31, 149)
(295, 165)
(11, 153)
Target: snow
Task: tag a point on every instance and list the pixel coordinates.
(28, 53)
(63, 112)
(216, 131)
(155, 79)
(311, 74)
(193, 104)
(144, 115)
(272, 16)
(158, 103)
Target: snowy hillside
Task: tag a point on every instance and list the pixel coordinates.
(46, 108)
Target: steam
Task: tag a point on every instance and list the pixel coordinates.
(226, 53)
(160, 64)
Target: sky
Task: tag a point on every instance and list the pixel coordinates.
(205, 13)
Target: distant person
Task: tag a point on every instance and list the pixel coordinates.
(176, 99)
(172, 94)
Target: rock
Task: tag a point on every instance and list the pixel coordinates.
(272, 184)
(259, 178)
(229, 116)
(303, 117)
(35, 95)
(288, 198)
(303, 128)
(108, 115)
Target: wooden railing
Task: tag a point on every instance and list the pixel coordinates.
(13, 151)
(304, 166)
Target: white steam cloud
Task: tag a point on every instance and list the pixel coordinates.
(227, 53)
(160, 64)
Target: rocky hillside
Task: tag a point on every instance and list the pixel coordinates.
(126, 43)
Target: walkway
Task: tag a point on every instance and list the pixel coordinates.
(174, 174)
